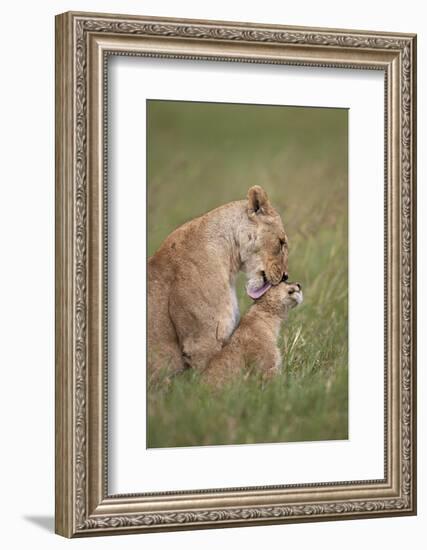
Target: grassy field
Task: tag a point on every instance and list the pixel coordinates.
(203, 155)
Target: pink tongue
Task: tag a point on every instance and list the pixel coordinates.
(255, 294)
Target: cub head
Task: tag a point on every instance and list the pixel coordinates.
(263, 245)
(280, 298)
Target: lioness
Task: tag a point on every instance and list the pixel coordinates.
(254, 342)
(192, 304)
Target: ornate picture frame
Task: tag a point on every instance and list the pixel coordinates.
(83, 43)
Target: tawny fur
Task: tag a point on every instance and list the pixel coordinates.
(192, 304)
(254, 343)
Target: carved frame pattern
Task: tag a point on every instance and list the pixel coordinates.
(83, 506)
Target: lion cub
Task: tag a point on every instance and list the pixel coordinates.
(254, 342)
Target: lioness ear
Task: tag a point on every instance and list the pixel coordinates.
(257, 200)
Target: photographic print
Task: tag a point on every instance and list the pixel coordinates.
(247, 238)
(235, 274)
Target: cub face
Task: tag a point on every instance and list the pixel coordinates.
(282, 297)
(287, 294)
(290, 294)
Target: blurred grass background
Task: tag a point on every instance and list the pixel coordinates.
(202, 155)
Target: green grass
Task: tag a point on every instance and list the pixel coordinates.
(203, 155)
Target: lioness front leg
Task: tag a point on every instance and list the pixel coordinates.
(164, 363)
(201, 331)
(197, 351)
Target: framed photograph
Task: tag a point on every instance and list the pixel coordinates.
(235, 274)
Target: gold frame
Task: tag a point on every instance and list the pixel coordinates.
(83, 43)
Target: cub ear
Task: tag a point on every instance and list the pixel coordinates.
(258, 202)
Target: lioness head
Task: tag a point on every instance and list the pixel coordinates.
(264, 245)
